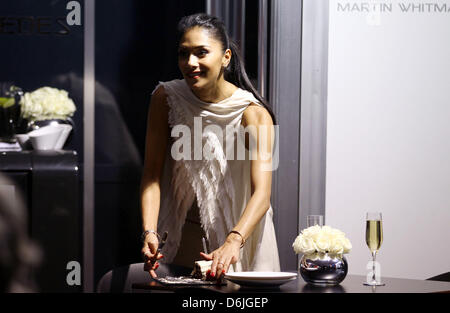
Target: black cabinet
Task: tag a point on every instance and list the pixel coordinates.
(49, 183)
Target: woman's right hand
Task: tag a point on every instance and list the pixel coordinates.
(149, 253)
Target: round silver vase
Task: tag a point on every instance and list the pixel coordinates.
(33, 125)
(323, 269)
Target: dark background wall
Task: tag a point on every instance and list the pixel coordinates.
(135, 47)
(38, 48)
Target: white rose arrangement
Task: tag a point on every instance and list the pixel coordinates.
(47, 103)
(317, 240)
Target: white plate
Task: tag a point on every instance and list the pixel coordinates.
(260, 279)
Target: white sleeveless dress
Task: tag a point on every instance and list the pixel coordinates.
(221, 187)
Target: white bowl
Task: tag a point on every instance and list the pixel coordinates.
(45, 138)
(23, 139)
(64, 134)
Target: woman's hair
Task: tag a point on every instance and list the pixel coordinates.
(235, 72)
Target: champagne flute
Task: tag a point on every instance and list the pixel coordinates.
(374, 239)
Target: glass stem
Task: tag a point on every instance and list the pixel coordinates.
(374, 256)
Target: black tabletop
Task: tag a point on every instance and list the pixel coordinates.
(351, 284)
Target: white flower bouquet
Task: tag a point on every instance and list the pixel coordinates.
(317, 240)
(47, 103)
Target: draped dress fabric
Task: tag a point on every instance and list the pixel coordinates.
(202, 172)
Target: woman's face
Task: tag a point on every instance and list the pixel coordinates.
(201, 58)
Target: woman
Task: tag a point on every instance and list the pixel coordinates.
(230, 195)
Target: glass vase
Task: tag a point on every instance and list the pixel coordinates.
(323, 269)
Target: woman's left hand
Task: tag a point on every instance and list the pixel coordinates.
(224, 256)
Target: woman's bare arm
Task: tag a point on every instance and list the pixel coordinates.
(261, 182)
(261, 131)
(155, 151)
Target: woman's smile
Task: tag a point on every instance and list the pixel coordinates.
(195, 75)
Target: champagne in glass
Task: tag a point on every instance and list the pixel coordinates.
(374, 239)
(374, 235)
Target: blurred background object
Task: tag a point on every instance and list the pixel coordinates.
(48, 182)
(11, 121)
(19, 256)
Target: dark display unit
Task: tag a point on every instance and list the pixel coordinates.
(49, 183)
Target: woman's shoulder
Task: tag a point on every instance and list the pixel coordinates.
(159, 91)
(256, 114)
(159, 95)
(168, 85)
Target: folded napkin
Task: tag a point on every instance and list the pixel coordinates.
(6, 146)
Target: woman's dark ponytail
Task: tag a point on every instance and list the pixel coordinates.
(235, 72)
